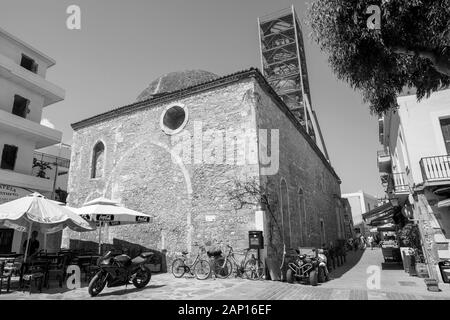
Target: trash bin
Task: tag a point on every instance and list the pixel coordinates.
(444, 266)
(406, 261)
(413, 266)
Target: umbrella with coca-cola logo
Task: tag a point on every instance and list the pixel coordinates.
(104, 211)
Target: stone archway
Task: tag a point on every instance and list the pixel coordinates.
(151, 178)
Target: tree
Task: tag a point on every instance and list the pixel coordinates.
(42, 166)
(252, 193)
(410, 49)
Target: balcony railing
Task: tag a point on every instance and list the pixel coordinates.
(435, 168)
(396, 183)
(400, 182)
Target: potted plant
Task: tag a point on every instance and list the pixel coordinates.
(409, 236)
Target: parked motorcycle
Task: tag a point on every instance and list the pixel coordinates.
(304, 269)
(120, 270)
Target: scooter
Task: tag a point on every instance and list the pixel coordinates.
(323, 275)
(120, 270)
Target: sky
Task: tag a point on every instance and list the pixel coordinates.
(124, 45)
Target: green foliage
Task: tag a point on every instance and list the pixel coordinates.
(409, 236)
(411, 49)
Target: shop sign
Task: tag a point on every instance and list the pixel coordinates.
(10, 193)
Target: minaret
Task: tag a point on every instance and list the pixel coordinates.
(283, 62)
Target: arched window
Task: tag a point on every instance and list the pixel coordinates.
(98, 160)
(302, 215)
(323, 236)
(285, 213)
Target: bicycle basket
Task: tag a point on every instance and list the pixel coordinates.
(214, 253)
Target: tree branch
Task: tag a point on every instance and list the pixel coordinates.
(440, 62)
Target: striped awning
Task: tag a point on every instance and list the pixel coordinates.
(379, 212)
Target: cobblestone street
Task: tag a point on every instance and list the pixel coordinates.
(348, 283)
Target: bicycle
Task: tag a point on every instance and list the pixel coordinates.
(252, 268)
(200, 268)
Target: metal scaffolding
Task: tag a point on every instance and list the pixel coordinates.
(283, 62)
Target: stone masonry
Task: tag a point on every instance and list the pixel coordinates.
(184, 179)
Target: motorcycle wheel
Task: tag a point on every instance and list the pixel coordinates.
(222, 271)
(202, 269)
(254, 269)
(321, 276)
(142, 278)
(178, 268)
(290, 276)
(313, 278)
(97, 284)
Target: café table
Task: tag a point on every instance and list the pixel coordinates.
(87, 263)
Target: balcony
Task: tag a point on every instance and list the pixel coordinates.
(384, 161)
(435, 170)
(400, 183)
(25, 181)
(29, 130)
(23, 77)
(397, 184)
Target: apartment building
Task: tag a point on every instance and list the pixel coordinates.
(24, 93)
(415, 169)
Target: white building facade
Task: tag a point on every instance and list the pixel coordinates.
(415, 169)
(24, 93)
(360, 202)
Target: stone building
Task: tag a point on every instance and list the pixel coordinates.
(187, 146)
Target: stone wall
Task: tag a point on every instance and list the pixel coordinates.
(189, 200)
(302, 169)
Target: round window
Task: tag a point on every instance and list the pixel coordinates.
(174, 119)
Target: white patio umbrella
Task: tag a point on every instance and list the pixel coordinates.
(21, 214)
(105, 211)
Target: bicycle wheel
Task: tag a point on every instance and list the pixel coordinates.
(202, 269)
(254, 269)
(178, 268)
(222, 269)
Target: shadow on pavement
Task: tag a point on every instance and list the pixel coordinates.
(352, 260)
(127, 291)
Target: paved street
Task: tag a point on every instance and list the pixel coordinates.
(348, 283)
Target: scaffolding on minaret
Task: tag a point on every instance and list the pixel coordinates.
(283, 62)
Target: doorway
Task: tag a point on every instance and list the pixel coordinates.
(6, 240)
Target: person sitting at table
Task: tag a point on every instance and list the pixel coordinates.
(33, 246)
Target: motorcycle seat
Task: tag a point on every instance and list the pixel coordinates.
(184, 252)
(138, 260)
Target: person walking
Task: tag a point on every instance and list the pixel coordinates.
(370, 241)
(363, 242)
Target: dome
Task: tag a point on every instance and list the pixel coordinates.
(176, 81)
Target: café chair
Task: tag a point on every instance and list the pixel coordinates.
(5, 275)
(34, 274)
(57, 269)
